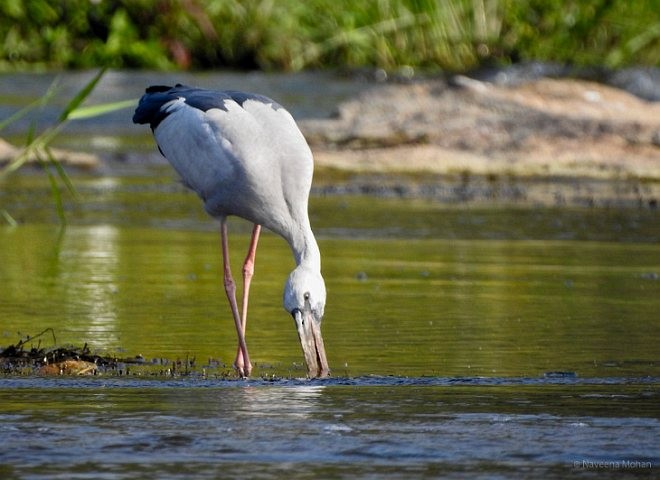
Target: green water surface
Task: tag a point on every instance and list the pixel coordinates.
(414, 288)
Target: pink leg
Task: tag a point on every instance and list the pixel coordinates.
(248, 273)
(245, 367)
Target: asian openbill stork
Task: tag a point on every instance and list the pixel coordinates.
(244, 155)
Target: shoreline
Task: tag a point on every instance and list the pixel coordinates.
(502, 190)
(542, 141)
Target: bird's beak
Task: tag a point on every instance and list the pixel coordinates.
(309, 334)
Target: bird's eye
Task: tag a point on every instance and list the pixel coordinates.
(306, 296)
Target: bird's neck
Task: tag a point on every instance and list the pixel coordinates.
(305, 249)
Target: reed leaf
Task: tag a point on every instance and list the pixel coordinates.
(55, 190)
(8, 218)
(37, 143)
(38, 103)
(66, 180)
(81, 113)
(37, 146)
(81, 96)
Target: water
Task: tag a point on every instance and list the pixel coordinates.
(402, 307)
(464, 341)
(129, 429)
(139, 272)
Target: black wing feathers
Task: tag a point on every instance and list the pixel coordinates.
(150, 109)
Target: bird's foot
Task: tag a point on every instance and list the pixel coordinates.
(243, 370)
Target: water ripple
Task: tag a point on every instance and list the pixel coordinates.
(360, 381)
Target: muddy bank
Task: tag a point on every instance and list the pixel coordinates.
(547, 127)
(547, 140)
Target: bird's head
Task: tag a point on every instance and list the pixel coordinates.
(304, 299)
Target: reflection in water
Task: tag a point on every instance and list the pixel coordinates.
(283, 402)
(65, 279)
(89, 266)
(79, 277)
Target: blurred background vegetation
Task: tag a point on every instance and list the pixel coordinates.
(289, 35)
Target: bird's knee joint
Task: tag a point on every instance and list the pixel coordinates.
(248, 270)
(230, 285)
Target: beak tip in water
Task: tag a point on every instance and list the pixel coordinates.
(311, 341)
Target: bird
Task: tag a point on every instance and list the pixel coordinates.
(244, 155)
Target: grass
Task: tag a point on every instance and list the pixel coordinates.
(454, 35)
(38, 145)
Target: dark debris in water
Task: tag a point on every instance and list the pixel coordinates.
(29, 357)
